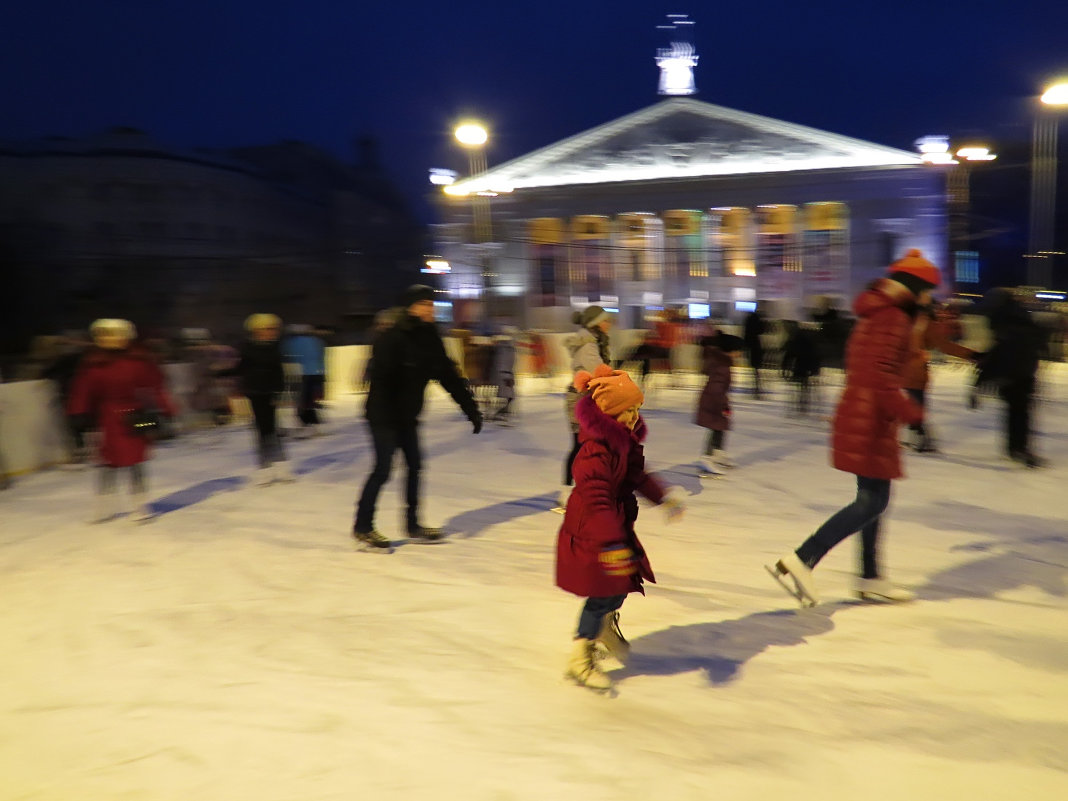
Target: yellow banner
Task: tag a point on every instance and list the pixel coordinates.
(777, 219)
(826, 216)
(682, 222)
(546, 231)
(590, 226)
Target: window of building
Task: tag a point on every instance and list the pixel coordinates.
(733, 229)
(825, 251)
(590, 265)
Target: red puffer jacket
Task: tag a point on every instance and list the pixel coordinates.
(609, 468)
(864, 439)
(111, 383)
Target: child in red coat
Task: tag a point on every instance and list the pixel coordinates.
(598, 555)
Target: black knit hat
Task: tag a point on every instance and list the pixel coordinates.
(416, 293)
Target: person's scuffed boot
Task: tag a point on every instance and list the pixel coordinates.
(611, 637)
(583, 669)
(801, 585)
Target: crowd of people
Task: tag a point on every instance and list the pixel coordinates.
(113, 386)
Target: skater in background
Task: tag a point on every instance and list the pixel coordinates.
(61, 372)
(262, 380)
(1010, 367)
(865, 433)
(587, 347)
(801, 363)
(598, 555)
(718, 354)
(504, 373)
(406, 357)
(753, 329)
(928, 333)
(119, 389)
(304, 348)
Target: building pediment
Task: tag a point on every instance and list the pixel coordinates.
(682, 138)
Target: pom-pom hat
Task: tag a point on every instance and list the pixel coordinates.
(921, 271)
(612, 390)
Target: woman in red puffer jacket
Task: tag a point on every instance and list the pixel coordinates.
(113, 380)
(865, 432)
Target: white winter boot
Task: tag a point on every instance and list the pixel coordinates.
(611, 637)
(582, 669)
(881, 590)
(796, 578)
(720, 458)
(708, 467)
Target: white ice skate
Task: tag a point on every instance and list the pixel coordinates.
(611, 637)
(880, 590)
(707, 468)
(800, 585)
(583, 669)
(263, 477)
(561, 500)
(283, 472)
(721, 459)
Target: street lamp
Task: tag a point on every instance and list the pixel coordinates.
(473, 137)
(1044, 184)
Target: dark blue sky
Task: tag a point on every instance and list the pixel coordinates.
(236, 72)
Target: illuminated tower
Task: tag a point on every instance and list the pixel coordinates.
(677, 60)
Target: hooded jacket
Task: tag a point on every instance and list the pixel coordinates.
(873, 405)
(608, 470)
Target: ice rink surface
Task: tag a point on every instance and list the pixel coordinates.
(237, 647)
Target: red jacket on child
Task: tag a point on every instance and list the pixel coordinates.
(608, 470)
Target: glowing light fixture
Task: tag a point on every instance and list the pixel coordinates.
(975, 153)
(471, 134)
(442, 177)
(935, 150)
(1056, 95)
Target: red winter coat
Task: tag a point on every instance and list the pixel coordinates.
(864, 439)
(609, 468)
(111, 383)
(713, 407)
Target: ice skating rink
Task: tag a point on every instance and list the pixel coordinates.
(237, 647)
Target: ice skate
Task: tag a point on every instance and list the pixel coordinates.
(722, 460)
(372, 542)
(1027, 459)
(611, 637)
(880, 590)
(707, 468)
(263, 477)
(142, 511)
(583, 669)
(283, 472)
(800, 584)
(105, 508)
(427, 535)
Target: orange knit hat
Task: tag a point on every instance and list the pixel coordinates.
(913, 263)
(612, 390)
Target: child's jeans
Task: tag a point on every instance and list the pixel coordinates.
(593, 613)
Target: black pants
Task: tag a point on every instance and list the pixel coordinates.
(268, 445)
(593, 613)
(311, 392)
(1017, 399)
(569, 462)
(715, 441)
(756, 361)
(920, 397)
(386, 441)
(873, 494)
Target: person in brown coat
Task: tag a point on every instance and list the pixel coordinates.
(865, 432)
(928, 333)
(718, 354)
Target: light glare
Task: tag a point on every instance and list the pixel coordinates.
(471, 134)
(1056, 95)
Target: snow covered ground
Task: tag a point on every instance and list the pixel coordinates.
(238, 648)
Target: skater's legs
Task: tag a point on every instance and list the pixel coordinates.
(873, 494)
(408, 441)
(385, 443)
(593, 611)
(869, 549)
(137, 479)
(919, 396)
(1017, 418)
(268, 446)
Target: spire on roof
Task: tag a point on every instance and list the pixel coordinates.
(678, 59)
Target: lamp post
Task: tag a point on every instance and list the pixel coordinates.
(936, 150)
(473, 137)
(1044, 184)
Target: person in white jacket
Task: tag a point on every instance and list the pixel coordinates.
(587, 347)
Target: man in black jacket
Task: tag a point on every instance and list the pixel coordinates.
(404, 359)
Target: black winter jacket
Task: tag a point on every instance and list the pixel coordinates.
(404, 359)
(260, 368)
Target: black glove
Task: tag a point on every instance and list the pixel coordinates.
(476, 421)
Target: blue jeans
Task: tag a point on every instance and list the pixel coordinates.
(863, 515)
(386, 441)
(593, 613)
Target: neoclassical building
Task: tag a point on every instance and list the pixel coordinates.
(688, 205)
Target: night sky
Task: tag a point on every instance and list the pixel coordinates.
(232, 72)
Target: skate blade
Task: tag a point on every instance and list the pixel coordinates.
(793, 591)
(559, 510)
(609, 691)
(366, 547)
